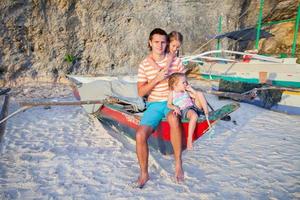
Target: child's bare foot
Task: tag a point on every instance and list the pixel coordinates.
(189, 145)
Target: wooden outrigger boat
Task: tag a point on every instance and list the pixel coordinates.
(279, 99)
(125, 117)
(277, 80)
(281, 72)
(127, 123)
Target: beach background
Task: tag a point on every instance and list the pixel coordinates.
(64, 153)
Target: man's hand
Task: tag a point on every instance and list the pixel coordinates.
(162, 74)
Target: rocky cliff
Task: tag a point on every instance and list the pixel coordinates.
(273, 10)
(46, 39)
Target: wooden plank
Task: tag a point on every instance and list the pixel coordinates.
(3, 114)
(3, 91)
(68, 103)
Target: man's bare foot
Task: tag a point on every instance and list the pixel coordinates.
(140, 183)
(179, 174)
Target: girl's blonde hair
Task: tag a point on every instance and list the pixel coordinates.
(174, 35)
(173, 79)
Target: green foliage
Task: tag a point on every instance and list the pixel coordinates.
(70, 58)
(283, 55)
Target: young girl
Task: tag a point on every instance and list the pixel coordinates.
(175, 40)
(186, 102)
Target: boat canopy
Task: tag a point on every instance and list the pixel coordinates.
(247, 34)
(99, 88)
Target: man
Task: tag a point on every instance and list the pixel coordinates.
(153, 82)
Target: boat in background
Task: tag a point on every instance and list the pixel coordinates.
(273, 82)
(279, 99)
(253, 68)
(125, 114)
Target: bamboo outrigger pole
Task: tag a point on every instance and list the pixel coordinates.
(296, 32)
(259, 23)
(66, 103)
(219, 32)
(26, 105)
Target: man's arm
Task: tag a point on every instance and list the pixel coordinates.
(145, 88)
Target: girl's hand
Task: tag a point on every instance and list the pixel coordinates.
(176, 111)
(190, 89)
(162, 74)
(171, 56)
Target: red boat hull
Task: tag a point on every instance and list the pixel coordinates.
(160, 139)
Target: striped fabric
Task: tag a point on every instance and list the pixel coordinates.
(146, 73)
(182, 100)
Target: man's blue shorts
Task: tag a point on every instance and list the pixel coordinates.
(154, 113)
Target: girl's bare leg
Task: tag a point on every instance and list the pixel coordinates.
(198, 103)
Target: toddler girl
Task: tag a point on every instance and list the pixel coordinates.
(186, 102)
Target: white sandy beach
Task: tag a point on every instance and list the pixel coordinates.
(62, 153)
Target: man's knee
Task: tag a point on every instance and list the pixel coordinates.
(173, 119)
(142, 134)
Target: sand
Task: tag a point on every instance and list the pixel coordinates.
(63, 153)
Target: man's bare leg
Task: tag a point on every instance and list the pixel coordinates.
(176, 140)
(142, 152)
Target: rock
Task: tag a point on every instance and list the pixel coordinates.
(274, 10)
(110, 37)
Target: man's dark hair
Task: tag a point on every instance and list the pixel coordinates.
(158, 31)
